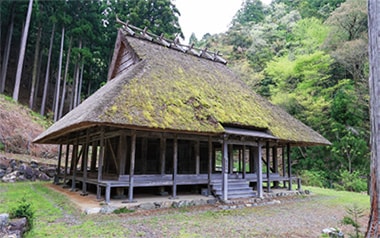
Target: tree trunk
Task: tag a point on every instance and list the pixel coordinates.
(72, 95)
(8, 42)
(374, 83)
(80, 84)
(35, 66)
(20, 63)
(77, 75)
(44, 96)
(58, 84)
(65, 80)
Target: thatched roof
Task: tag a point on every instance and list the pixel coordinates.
(169, 90)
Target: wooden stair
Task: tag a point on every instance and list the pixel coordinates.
(237, 188)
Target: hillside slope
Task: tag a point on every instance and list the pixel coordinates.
(18, 127)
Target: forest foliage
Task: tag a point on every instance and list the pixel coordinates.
(307, 56)
(310, 58)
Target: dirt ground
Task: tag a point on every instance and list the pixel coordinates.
(289, 217)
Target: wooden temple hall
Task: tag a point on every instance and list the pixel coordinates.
(175, 118)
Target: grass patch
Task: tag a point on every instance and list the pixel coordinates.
(55, 216)
(340, 198)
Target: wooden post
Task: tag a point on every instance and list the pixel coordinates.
(162, 155)
(85, 164)
(197, 157)
(66, 164)
(225, 169)
(244, 162)
(122, 153)
(267, 150)
(175, 167)
(132, 166)
(100, 163)
(252, 161)
(74, 164)
(94, 155)
(162, 161)
(144, 153)
(231, 158)
(283, 165)
(210, 153)
(275, 163)
(259, 169)
(58, 171)
(289, 166)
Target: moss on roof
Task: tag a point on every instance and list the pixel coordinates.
(169, 89)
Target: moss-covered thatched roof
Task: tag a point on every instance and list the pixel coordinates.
(168, 90)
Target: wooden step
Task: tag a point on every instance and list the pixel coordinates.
(237, 188)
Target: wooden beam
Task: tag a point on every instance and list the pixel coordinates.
(175, 167)
(100, 163)
(225, 170)
(132, 167)
(289, 166)
(267, 150)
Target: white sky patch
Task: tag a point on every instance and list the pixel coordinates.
(207, 16)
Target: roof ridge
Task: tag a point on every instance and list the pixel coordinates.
(173, 44)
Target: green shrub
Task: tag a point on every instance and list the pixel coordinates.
(354, 213)
(351, 182)
(23, 209)
(122, 210)
(313, 178)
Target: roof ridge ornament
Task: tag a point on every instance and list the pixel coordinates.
(174, 44)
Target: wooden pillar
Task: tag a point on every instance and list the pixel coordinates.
(244, 162)
(132, 166)
(144, 154)
(231, 158)
(175, 167)
(267, 150)
(94, 155)
(225, 169)
(289, 166)
(259, 166)
(197, 157)
(275, 163)
(85, 164)
(66, 164)
(122, 153)
(162, 162)
(162, 155)
(252, 163)
(100, 163)
(58, 171)
(210, 155)
(74, 160)
(283, 165)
